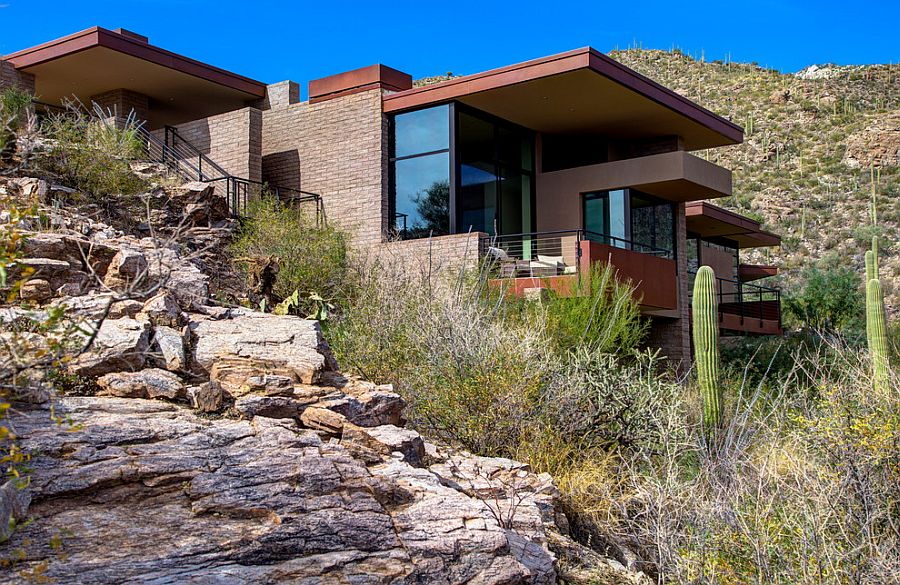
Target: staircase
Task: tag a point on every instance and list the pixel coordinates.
(190, 163)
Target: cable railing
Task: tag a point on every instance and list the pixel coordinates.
(550, 253)
(747, 300)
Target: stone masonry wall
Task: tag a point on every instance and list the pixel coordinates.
(673, 335)
(11, 77)
(338, 149)
(233, 140)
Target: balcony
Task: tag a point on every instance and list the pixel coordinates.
(748, 308)
(558, 260)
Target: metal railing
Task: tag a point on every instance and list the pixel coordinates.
(239, 192)
(550, 253)
(747, 301)
(190, 163)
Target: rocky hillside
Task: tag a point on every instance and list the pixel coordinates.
(811, 142)
(180, 441)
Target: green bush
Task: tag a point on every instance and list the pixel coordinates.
(826, 299)
(312, 258)
(14, 104)
(91, 154)
(607, 318)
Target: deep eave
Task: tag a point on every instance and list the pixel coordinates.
(101, 37)
(586, 59)
(708, 220)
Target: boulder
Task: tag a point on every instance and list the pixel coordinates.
(249, 343)
(120, 344)
(81, 254)
(322, 419)
(366, 405)
(36, 290)
(269, 406)
(271, 385)
(95, 306)
(170, 344)
(149, 383)
(208, 397)
(387, 439)
(14, 501)
(162, 309)
(128, 267)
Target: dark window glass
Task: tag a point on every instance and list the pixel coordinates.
(652, 224)
(421, 131)
(489, 200)
(604, 216)
(422, 203)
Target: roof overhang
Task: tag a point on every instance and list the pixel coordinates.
(98, 60)
(581, 91)
(674, 176)
(708, 220)
(749, 272)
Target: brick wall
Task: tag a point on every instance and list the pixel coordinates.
(11, 77)
(672, 335)
(338, 149)
(438, 255)
(121, 102)
(233, 140)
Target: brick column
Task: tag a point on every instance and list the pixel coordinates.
(121, 102)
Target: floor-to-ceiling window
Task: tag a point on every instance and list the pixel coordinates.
(455, 169)
(420, 173)
(627, 218)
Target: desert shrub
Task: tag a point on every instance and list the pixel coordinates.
(91, 153)
(469, 377)
(14, 105)
(826, 299)
(312, 257)
(601, 400)
(606, 318)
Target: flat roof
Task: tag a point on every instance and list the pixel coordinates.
(97, 60)
(129, 44)
(708, 220)
(572, 92)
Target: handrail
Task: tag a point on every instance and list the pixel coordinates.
(172, 138)
(588, 235)
(750, 303)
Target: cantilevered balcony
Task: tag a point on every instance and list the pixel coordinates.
(560, 261)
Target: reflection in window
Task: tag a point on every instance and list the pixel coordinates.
(422, 203)
(604, 217)
(652, 224)
(420, 166)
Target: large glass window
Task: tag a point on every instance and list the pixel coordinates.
(492, 189)
(652, 224)
(626, 218)
(605, 217)
(420, 173)
(495, 172)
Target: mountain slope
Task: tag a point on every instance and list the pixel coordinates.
(805, 168)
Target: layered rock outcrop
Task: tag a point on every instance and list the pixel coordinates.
(221, 445)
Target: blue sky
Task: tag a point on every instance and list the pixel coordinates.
(273, 41)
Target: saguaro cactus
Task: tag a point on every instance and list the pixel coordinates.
(706, 346)
(876, 333)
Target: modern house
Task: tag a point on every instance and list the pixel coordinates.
(545, 166)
